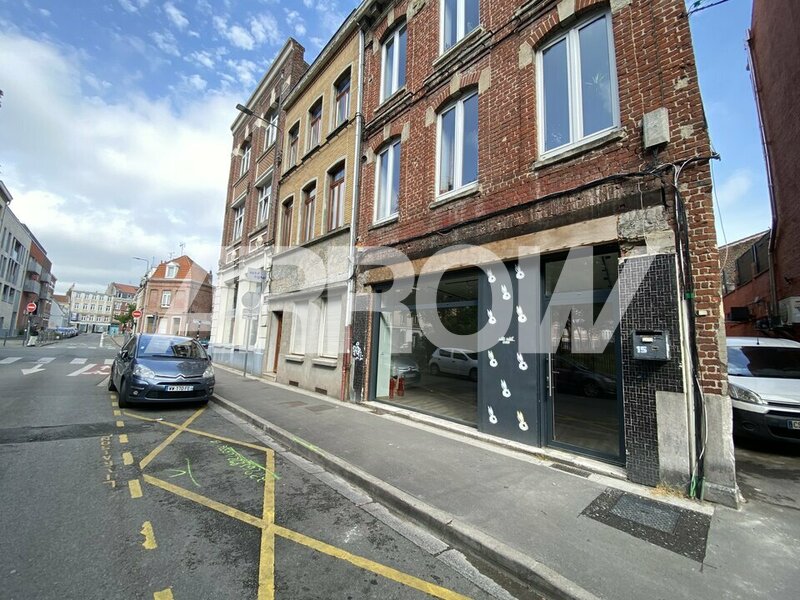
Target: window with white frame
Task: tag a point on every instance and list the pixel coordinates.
(457, 19)
(342, 99)
(331, 326)
(309, 208)
(293, 149)
(393, 71)
(297, 341)
(578, 85)
(238, 222)
(457, 165)
(287, 222)
(314, 125)
(245, 164)
(264, 196)
(166, 298)
(335, 197)
(387, 182)
(172, 271)
(272, 129)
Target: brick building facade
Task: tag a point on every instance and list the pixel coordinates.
(529, 131)
(176, 299)
(775, 66)
(238, 328)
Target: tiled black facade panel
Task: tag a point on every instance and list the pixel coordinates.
(653, 306)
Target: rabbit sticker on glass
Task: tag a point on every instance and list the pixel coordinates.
(504, 387)
(492, 416)
(492, 359)
(505, 292)
(523, 366)
(521, 315)
(521, 419)
(520, 273)
(492, 318)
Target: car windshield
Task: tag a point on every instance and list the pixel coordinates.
(165, 347)
(764, 361)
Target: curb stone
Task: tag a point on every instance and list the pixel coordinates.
(543, 579)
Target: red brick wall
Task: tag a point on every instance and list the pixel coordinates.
(775, 48)
(755, 296)
(655, 68)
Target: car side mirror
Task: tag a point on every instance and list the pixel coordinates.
(123, 354)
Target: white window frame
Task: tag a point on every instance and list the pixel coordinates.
(245, 164)
(458, 143)
(238, 222)
(272, 129)
(264, 200)
(325, 314)
(297, 346)
(376, 218)
(574, 87)
(345, 76)
(310, 142)
(395, 60)
(173, 269)
(461, 24)
(166, 298)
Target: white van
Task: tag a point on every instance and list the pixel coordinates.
(764, 386)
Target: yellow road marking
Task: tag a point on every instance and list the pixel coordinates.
(369, 565)
(135, 488)
(147, 459)
(123, 438)
(198, 432)
(266, 567)
(117, 413)
(149, 542)
(120, 424)
(163, 595)
(207, 502)
(127, 458)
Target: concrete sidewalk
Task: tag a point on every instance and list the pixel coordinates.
(568, 532)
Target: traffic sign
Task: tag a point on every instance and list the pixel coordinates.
(31, 307)
(136, 314)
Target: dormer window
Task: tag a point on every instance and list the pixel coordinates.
(172, 271)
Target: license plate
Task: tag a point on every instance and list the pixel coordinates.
(794, 424)
(179, 388)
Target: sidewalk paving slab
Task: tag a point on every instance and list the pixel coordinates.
(526, 517)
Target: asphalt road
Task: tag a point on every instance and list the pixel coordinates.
(184, 502)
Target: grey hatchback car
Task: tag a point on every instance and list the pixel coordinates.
(153, 368)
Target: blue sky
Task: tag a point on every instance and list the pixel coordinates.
(115, 126)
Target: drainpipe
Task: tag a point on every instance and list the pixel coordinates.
(351, 261)
(773, 235)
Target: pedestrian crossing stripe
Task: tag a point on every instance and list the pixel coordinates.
(82, 370)
(45, 360)
(109, 361)
(78, 361)
(10, 360)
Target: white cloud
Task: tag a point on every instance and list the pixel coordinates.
(235, 34)
(265, 28)
(308, 3)
(175, 15)
(122, 179)
(735, 188)
(244, 71)
(166, 42)
(196, 82)
(133, 6)
(44, 12)
(203, 58)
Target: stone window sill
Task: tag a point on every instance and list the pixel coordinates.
(472, 189)
(294, 358)
(325, 362)
(385, 222)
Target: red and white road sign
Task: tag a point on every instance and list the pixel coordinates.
(31, 308)
(136, 314)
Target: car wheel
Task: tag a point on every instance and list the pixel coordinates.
(124, 394)
(473, 374)
(591, 389)
(111, 386)
(434, 369)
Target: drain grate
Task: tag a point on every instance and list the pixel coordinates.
(571, 469)
(679, 530)
(646, 512)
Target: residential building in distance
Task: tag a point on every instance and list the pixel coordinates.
(89, 310)
(123, 295)
(176, 299)
(311, 263)
(542, 135)
(59, 312)
(15, 243)
(746, 286)
(775, 67)
(238, 327)
(37, 287)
